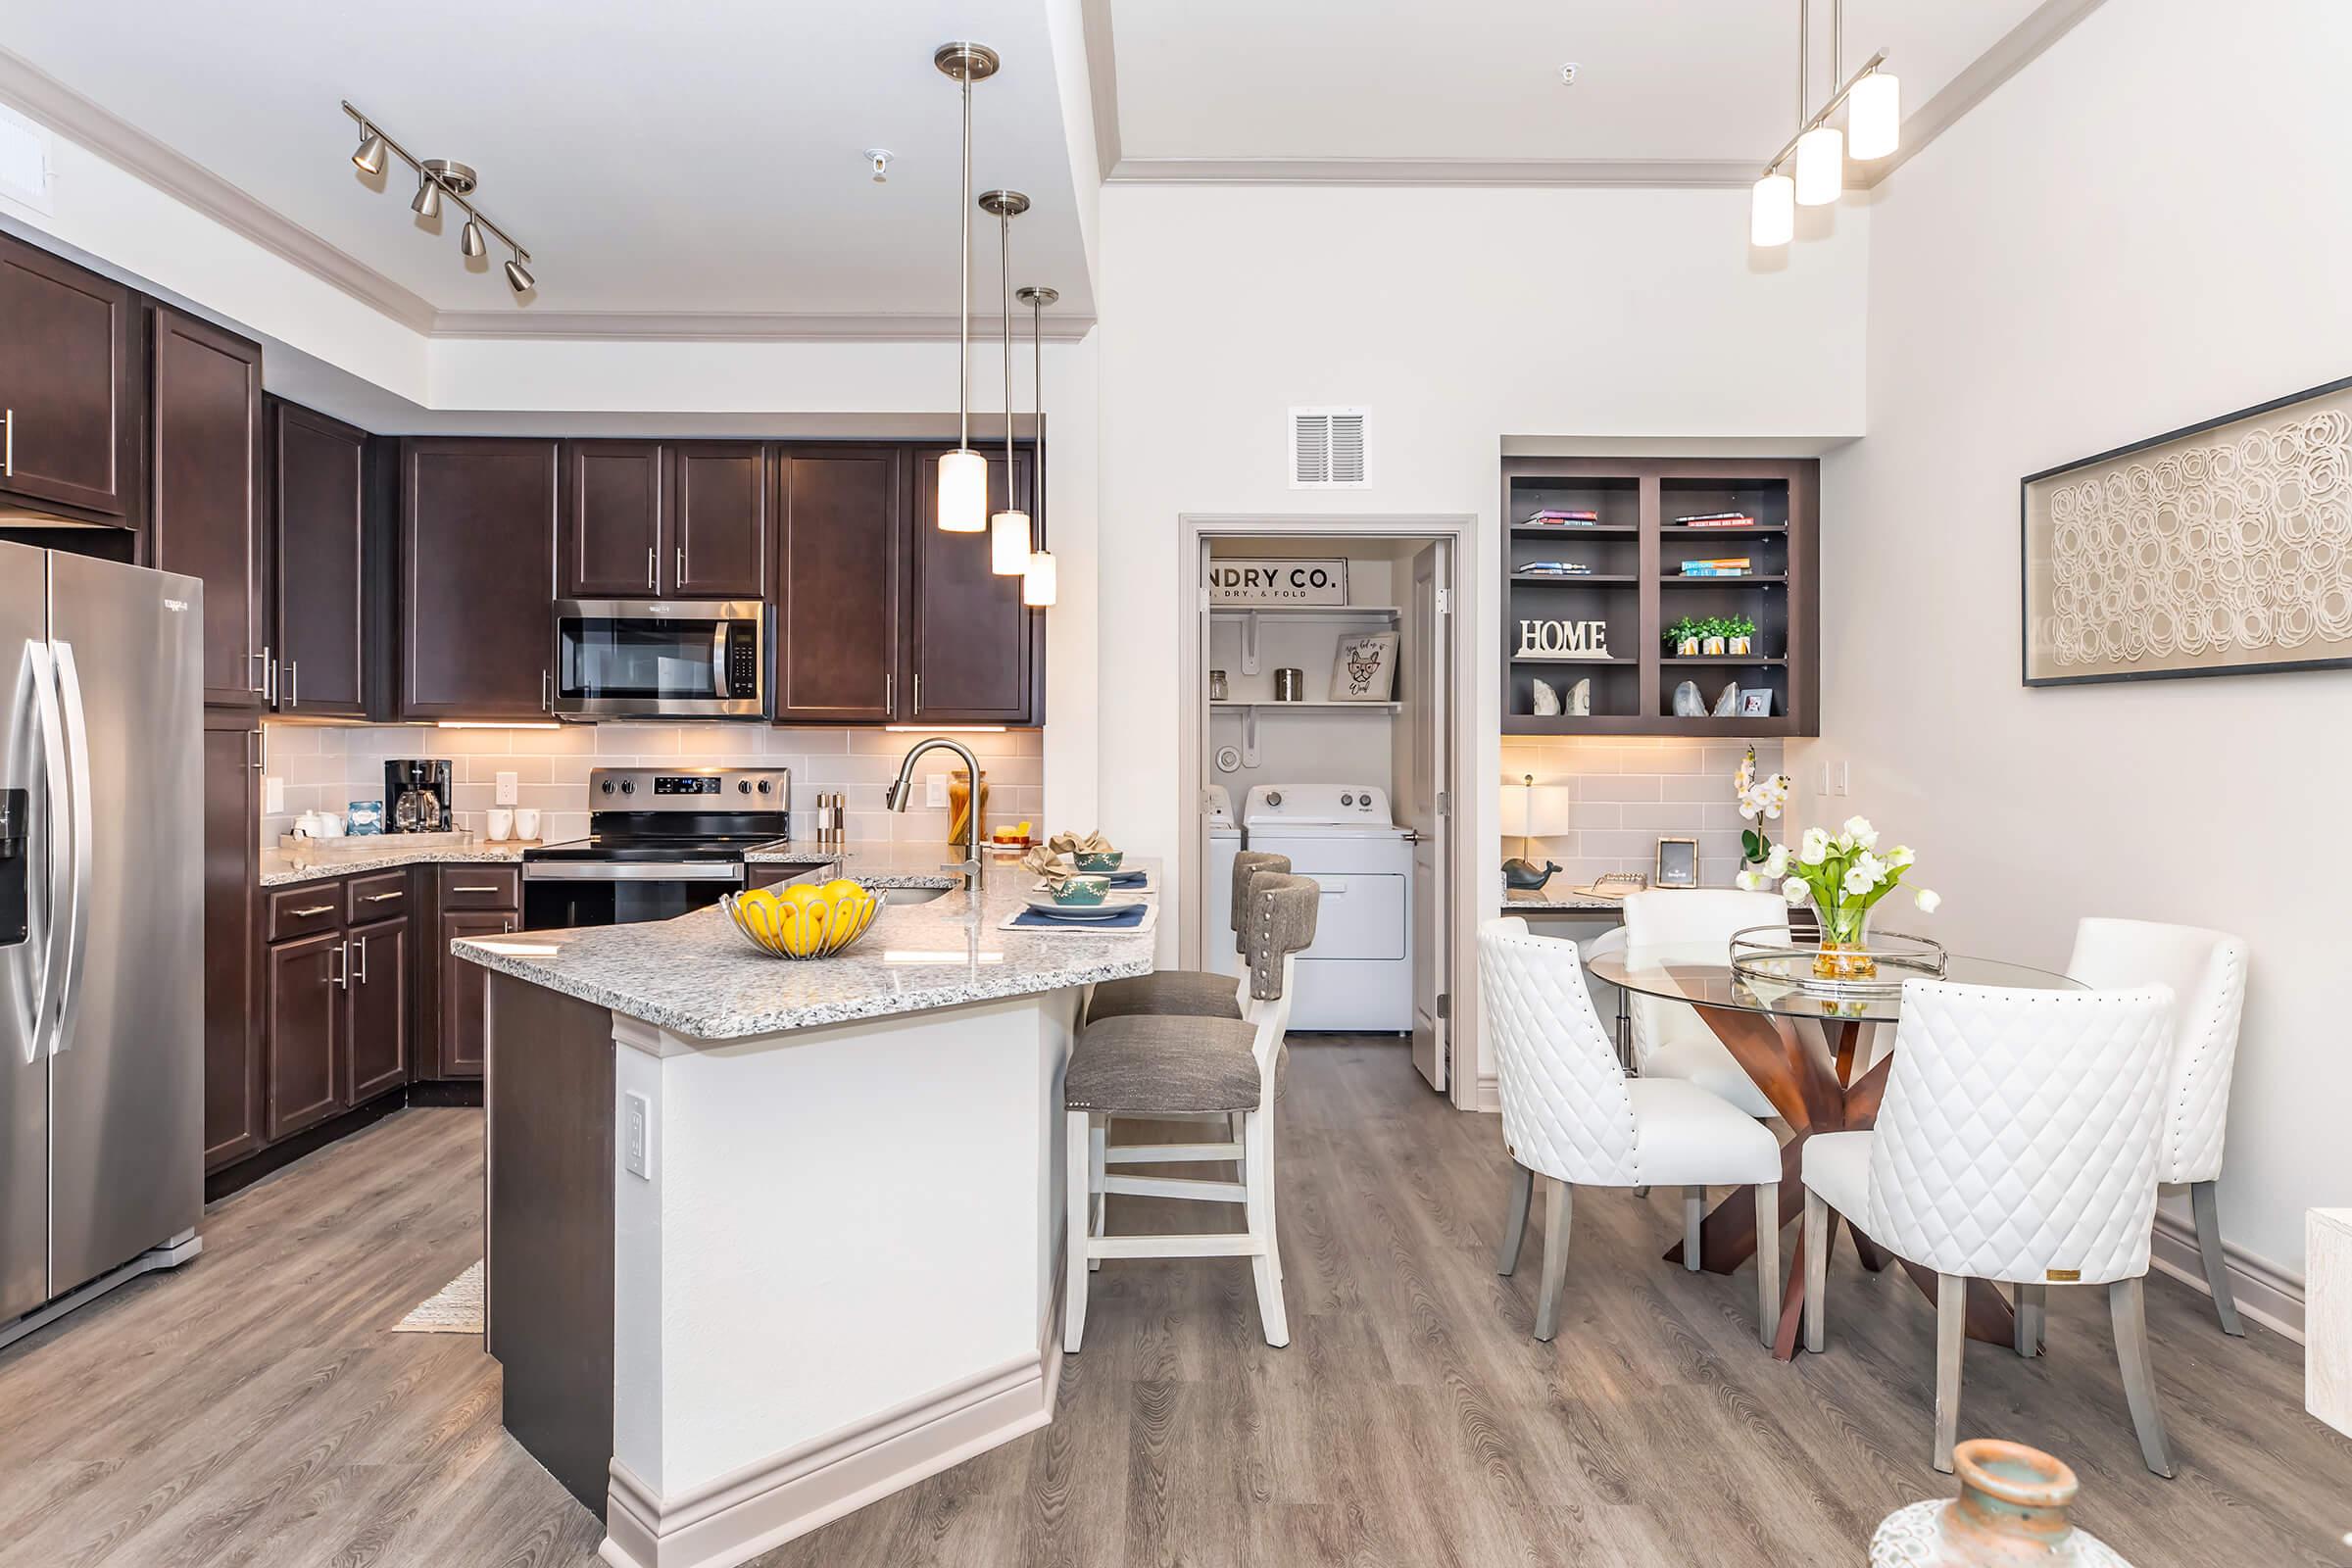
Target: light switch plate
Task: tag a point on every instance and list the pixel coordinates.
(637, 1136)
(935, 790)
(1845, 776)
(1821, 785)
(273, 797)
(510, 792)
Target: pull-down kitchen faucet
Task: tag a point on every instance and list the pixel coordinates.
(898, 792)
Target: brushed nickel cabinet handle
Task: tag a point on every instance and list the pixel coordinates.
(477, 890)
(260, 671)
(362, 945)
(339, 974)
(890, 689)
(547, 700)
(378, 897)
(269, 677)
(649, 569)
(918, 692)
(293, 684)
(681, 577)
(254, 751)
(315, 908)
(8, 444)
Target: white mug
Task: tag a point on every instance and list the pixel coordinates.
(527, 822)
(500, 823)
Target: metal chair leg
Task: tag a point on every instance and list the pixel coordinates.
(2127, 1304)
(1951, 1335)
(1514, 1218)
(2202, 1198)
(1556, 1208)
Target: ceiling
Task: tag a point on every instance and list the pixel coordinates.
(687, 157)
(1660, 79)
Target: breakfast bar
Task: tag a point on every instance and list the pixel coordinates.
(767, 1240)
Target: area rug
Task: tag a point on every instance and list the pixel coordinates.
(456, 1308)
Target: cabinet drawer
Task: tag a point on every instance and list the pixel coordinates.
(380, 897)
(481, 887)
(305, 910)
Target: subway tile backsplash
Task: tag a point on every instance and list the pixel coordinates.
(1629, 792)
(325, 768)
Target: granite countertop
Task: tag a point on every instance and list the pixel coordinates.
(1559, 901)
(284, 868)
(877, 862)
(697, 977)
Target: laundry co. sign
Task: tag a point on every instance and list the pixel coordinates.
(1277, 582)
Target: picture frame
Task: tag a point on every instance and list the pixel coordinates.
(1755, 702)
(1676, 863)
(1276, 581)
(2134, 563)
(1363, 668)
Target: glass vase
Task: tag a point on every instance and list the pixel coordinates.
(1845, 952)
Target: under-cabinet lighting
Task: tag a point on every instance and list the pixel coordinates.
(943, 729)
(497, 723)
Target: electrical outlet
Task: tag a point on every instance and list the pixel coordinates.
(935, 790)
(637, 1149)
(509, 792)
(1845, 776)
(273, 797)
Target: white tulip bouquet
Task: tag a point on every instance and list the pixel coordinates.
(1844, 875)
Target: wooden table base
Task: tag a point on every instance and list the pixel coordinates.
(1807, 1080)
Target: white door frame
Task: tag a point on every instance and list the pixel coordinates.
(1459, 530)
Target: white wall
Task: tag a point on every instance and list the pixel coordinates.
(2085, 260)
(1458, 316)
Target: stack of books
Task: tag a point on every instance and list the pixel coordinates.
(1717, 520)
(1573, 519)
(1720, 567)
(1555, 569)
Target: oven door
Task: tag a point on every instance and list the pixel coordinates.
(560, 895)
(661, 658)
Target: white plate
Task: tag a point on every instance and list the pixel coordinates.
(1115, 904)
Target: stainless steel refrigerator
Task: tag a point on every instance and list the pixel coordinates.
(101, 927)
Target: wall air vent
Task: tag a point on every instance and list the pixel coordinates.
(26, 159)
(1328, 449)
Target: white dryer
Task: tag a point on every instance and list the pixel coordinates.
(1215, 921)
(1358, 974)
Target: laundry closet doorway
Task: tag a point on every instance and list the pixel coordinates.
(1321, 722)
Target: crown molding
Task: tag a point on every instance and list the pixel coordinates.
(1635, 172)
(713, 327)
(1101, 82)
(24, 86)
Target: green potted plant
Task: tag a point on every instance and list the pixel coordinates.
(1740, 633)
(1714, 635)
(1683, 638)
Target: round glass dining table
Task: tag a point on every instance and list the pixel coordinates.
(1803, 1043)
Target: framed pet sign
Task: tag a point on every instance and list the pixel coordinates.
(1365, 668)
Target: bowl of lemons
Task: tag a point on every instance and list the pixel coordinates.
(802, 921)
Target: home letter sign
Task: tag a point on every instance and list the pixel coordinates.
(1563, 639)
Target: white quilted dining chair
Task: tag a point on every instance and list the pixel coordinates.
(1571, 1117)
(1670, 1039)
(2207, 972)
(2017, 1141)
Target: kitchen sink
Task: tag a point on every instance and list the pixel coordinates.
(913, 894)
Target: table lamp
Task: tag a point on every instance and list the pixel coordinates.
(1532, 811)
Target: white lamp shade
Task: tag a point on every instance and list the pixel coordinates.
(1009, 544)
(1040, 583)
(1873, 115)
(1819, 166)
(963, 492)
(1772, 211)
(1535, 810)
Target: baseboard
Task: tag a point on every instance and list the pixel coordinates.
(1487, 1095)
(2263, 1291)
(762, 1506)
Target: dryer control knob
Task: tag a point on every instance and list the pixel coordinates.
(1273, 797)
(1347, 799)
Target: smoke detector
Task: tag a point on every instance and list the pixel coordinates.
(878, 160)
(1569, 72)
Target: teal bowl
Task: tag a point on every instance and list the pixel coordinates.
(1077, 891)
(1100, 860)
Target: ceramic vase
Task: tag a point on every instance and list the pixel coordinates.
(2011, 1513)
(1740, 646)
(1714, 646)
(1688, 648)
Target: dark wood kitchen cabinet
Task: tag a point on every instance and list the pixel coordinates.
(206, 517)
(233, 1091)
(840, 589)
(477, 552)
(320, 541)
(462, 985)
(645, 519)
(718, 520)
(71, 399)
(303, 1007)
(467, 900)
(976, 652)
(614, 494)
(377, 1033)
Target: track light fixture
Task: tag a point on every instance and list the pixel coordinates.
(964, 474)
(1817, 153)
(439, 179)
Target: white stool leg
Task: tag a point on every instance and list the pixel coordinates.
(1694, 1215)
(1951, 1335)
(1768, 1260)
(1098, 1142)
(1079, 1164)
(1257, 1142)
(1817, 1271)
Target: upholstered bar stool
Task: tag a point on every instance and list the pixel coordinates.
(1190, 992)
(2207, 972)
(1166, 1065)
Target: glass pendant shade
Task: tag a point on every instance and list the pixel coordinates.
(1819, 166)
(1009, 544)
(1772, 211)
(963, 492)
(1038, 584)
(1873, 115)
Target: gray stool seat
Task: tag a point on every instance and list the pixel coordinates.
(1153, 1066)
(1180, 993)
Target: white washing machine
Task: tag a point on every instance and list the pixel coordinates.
(1358, 974)
(1215, 919)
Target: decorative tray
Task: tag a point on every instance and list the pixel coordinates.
(1768, 957)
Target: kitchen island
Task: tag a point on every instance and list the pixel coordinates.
(768, 1240)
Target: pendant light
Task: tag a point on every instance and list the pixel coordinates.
(1007, 530)
(1772, 211)
(1040, 582)
(963, 473)
(1872, 99)
(1873, 116)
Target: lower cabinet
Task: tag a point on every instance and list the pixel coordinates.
(335, 1017)
(461, 990)
(303, 1031)
(376, 1043)
(233, 1089)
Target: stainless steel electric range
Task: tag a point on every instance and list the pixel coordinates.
(660, 841)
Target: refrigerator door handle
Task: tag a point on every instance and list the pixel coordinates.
(58, 815)
(77, 928)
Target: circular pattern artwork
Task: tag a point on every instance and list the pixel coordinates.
(2228, 548)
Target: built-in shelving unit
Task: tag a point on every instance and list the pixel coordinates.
(1634, 588)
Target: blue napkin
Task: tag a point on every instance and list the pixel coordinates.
(1125, 921)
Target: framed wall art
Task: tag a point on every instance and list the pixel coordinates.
(2223, 549)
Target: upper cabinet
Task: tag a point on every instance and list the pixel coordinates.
(477, 552)
(69, 402)
(977, 652)
(840, 584)
(320, 539)
(653, 519)
(206, 517)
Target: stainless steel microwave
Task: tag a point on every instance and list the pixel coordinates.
(661, 658)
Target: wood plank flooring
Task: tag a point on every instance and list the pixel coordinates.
(252, 1410)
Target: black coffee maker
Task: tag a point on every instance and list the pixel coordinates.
(416, 796)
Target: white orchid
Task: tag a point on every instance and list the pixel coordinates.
(1747, 772)
(1751, 881)
(1860, 832)
(1927, 899)
(1815, 847)
(1795, 892)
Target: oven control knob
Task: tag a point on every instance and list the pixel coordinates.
(628, 788)
(743, 787)
(765, 787)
